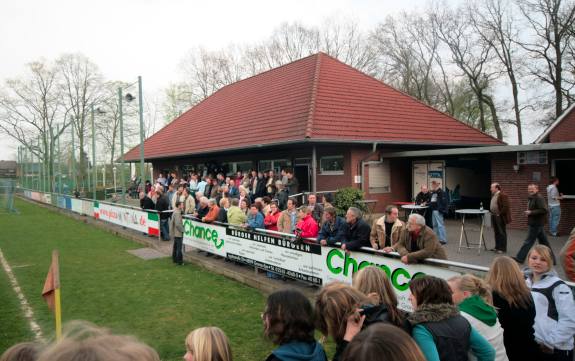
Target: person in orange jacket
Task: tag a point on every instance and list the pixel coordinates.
(212, 215)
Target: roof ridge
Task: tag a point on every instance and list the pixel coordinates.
(313, 97)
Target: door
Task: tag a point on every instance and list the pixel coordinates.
(301, 172)
(419, 176)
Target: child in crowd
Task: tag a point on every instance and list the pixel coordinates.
(207, 344)
(288, 323)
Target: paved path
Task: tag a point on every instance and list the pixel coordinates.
(515, 239)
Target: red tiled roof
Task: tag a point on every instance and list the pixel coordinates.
(315, 98)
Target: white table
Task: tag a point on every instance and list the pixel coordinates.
(477, 212)
(415, 207)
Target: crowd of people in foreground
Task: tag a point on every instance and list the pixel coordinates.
(511, 315)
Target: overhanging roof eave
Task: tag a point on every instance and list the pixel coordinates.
(480, 150)
(306, 141)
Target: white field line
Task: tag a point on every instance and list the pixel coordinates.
(24, 305)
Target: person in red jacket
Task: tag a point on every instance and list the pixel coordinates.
(271, 220)
(307, 226)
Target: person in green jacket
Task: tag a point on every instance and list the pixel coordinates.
(235, 214)
(439, 330)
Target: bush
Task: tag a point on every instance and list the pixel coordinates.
(348, 197)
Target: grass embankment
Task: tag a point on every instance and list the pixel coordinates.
(154, 300)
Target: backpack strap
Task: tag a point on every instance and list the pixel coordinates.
(548, 293)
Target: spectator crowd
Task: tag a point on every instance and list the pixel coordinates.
(512, 314)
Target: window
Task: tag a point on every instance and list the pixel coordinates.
(563, 169)
(277, 165)
(264, 165)
(379, 178)
(533, 157)
(332, 165)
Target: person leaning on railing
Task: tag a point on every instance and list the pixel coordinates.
(333, 229)
(417, 242)
(357, 234)
(235, 215)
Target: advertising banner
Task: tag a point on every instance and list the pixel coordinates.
(206, 237)
(341, 266)
(271, 253)
(130, 218)
(61, 201)
(76, 205)
(307, 262)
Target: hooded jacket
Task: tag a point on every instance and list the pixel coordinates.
(298, 351)
(483, 318)
(444, 335)
(554, 310)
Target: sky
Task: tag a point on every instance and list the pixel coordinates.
(150, 37)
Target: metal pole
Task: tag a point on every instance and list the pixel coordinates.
(141, 106)
(313, 170)
(40, 167)
(73, 175)
(59, 160)
(94, 175)
(19, 166)
(122, 168)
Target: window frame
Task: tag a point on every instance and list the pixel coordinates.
(332, 172)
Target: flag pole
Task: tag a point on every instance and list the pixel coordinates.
(57, 305)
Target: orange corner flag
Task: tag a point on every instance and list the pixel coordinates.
(51, 292)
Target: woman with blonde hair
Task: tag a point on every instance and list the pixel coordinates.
(554, 306)
(342, 312)
(84, 341)
(472, 296)
(515, 308)
(207, 344)
(373, 282)
(24, 351)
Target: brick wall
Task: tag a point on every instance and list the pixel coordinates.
(515, 185)
(564, 131)
(400, 177)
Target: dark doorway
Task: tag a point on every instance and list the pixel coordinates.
(301, 172)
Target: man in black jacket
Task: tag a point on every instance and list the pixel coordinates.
(536, 214)
(358, 231)
(146, 202)
(162, 205)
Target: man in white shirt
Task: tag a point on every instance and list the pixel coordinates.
(554, 204)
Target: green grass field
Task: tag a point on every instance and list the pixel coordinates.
(155, 300)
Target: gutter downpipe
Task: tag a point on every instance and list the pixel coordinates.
(361, 163)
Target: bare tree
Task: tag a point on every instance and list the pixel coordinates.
(31, 108)
(80, 84)
(552, 24)
(108, 122)
(496, 25)
(473, 57)
(408, 54)
(207, 71)
(344, 40)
